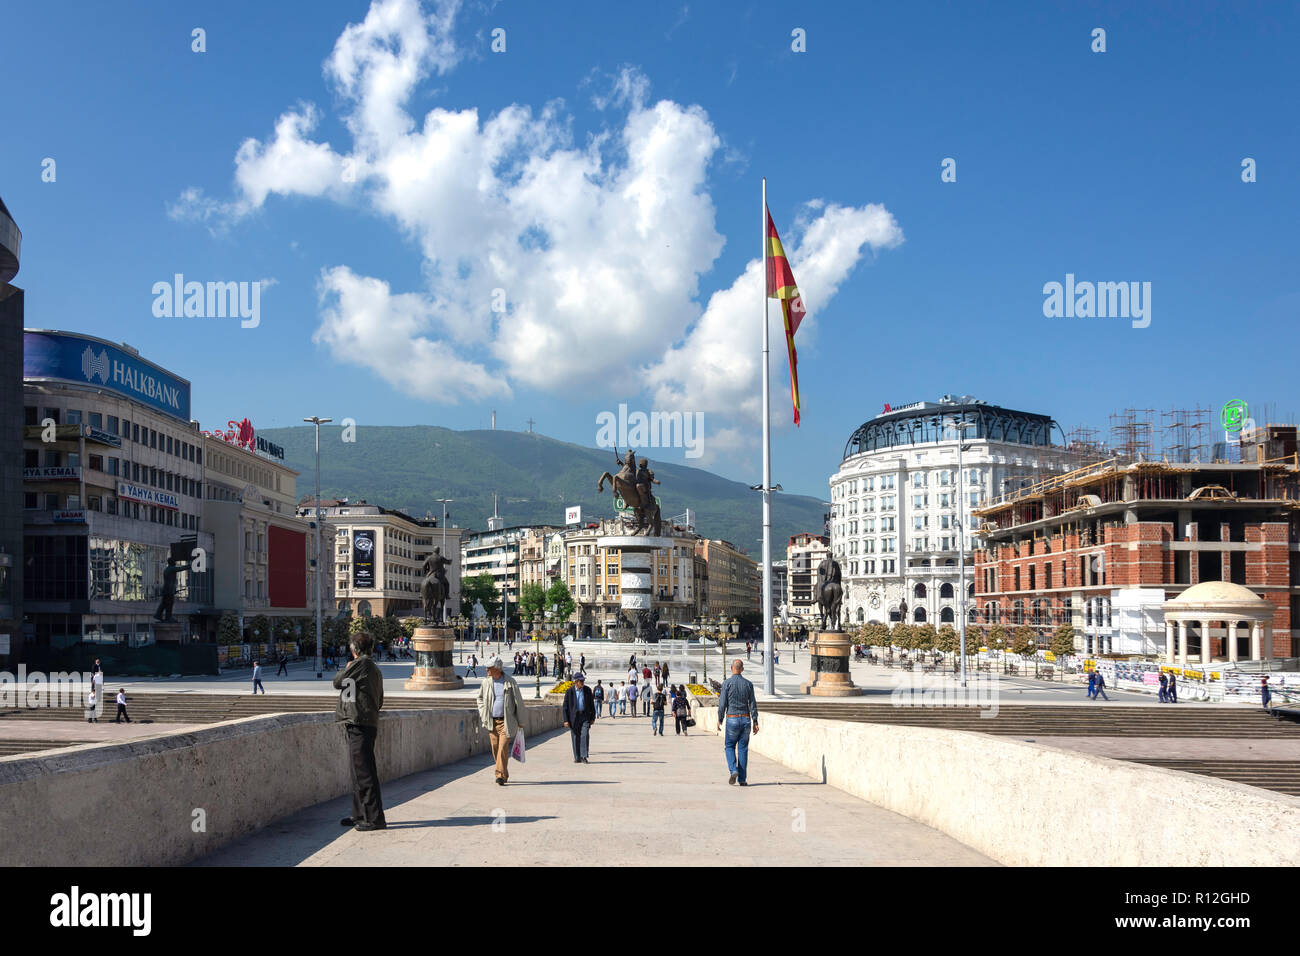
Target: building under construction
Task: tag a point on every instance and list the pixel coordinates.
(1105, 545)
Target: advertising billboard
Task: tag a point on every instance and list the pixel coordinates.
(286, 573)
(363, 559)
(573, 515)
(85, 360)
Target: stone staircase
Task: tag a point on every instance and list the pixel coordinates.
(1280, 775)
(1026, 720)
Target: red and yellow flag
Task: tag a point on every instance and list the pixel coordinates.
(780, 285)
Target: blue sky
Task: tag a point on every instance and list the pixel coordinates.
(1115, 166)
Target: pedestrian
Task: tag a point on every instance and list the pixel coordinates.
(501, 708)
(97, 679)
(656, 674)
(1101, 686)
(622, 698)
(749, 650)
(579, 715)
(738, 707)
(681, 712)
(257, 677)
(121, 707)
(284, 665)
(598, 698)
(568, 661)
(1173, 688)
(632, 674)
(361, 697)
(613, 700)
(92, 705)
(645, 695)
(541, 663)
(1164, 687)
(582, 664)
(1265, 695)
(645, 675)
(657, 711)
(665, 673)
(1092, 685)
(632, 694)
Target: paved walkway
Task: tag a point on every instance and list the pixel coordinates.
(642, 800)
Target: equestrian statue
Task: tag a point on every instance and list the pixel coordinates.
(435, 589)
(829, 592)
(635, 485)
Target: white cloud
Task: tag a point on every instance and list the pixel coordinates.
(597, 244)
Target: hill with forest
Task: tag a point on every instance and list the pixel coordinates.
(534, 477)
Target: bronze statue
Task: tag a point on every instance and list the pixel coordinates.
(435, 589)
(634, 487)
(168, 598)
(829, 592)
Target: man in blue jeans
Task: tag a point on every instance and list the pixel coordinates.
(737, 712)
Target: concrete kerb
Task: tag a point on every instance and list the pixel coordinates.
(1026, 804)
(169, 798)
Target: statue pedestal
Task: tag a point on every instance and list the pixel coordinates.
(168, 631)
(829, 676)
(433, 664)
(636, 571)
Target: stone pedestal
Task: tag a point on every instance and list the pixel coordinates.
(168, 631)
(829, 676)
(433, 660)
(636, 570)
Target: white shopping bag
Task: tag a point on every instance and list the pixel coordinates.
(517, 748)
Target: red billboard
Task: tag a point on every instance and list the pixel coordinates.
(286, 567)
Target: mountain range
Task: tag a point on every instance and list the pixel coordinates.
(534, 477)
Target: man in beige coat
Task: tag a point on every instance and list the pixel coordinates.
(501, 708)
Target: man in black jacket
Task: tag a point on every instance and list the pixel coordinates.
(362, 695)
(579, 714)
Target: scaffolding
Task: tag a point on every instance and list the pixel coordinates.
(1083, 447)
(1130, 433)
(1186, 435)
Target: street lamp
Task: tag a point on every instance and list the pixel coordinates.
(537, 671)
(318, 422)
(961, 545)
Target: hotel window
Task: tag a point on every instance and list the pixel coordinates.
(74, 460)
(869, 484)
(135, 432)
(74, 416)
(887, 523)
(52, 413)
(918, 479)
(945, 477)
(97, 420)
(110, 506)
(112, 425)
(945, 500)
(97, 462)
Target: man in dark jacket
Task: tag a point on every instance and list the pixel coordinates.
(579, 714)
(361, 684)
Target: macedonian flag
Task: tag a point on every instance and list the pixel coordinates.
(780, 285)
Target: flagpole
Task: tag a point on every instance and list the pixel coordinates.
(769, 671)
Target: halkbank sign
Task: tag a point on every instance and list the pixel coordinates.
(86, 360)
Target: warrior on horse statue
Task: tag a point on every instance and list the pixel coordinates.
(635, 486)
(829, 592)
(435, 589)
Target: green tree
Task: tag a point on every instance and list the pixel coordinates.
(875, 634)
(1063, 646)
(228, 629)
(482, 588)
(947, 639)
(1022, 641)
(532, 596)
(900, 635)
(998, 638)
(409, 624)
(924, 637)
(259, 630)
(558, 594)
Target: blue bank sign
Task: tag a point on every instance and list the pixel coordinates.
(83, 360)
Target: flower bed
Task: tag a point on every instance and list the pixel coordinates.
(561, 687)
(700, 691)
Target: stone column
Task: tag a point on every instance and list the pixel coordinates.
(1169, 642)
(1256, 630)
(1182, 643)
(1205, 641)
(829, 676)
(1268, 640)
(1232, 640)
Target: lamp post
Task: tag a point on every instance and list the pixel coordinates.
(318, 422)
(961, 546)
(537, 671)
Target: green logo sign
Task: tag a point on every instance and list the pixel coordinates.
(1234, 415)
